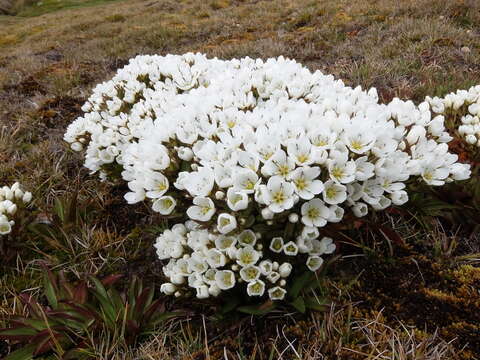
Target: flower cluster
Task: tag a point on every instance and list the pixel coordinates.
(248, 147)
(210, 263)
(11, 198)
(464, 104)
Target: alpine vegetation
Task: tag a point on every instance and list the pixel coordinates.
(464, 104)
(11, 199)
(250, 159)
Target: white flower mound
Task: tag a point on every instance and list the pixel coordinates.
(231, 145)
(11, 198)
(466, 104)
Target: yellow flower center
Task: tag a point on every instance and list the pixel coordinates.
(356, 145)
(205, 210)
(249, 185)
(247, 258)
(227, 279)
(279, 197)
(301, 183)
(320, 143)
(236, 199)
(302, 158)
(338, 172)
(313, 213)
(283, 170)
(167, 203)
(277, 245)
(257, 287)
(247, 239)
(251, 273)
(331, 192)
(267, 155)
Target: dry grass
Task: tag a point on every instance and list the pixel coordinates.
(50, 62)
(334, 335)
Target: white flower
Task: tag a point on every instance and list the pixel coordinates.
(246, 180)
(168, 288)
(273, 277)
(203, 209)
(249, 160)
(224, 242)
(247, 237)
(214, 290)
(12, 209)
(293, 218)
(314, 262)
(225, 279)
(157, 186)
(324, 246)
(226, 223)
(435, 176)
(301, 151)
(267, 214)
(305, 181)
(5, 227)
(359, 141)
(310, 233)
(135, 196)
(200, 183)
(315, 213)
(256, 288)
(250, 273)
(27, 197)
(279, 195)
(334, 193)
(185, 153)
(277, 293)
(266, 267)
(215, 258)
(236, 199)
(276, 245)
(342, 172)
(164, 205)
(247, 255)
(285, 269)
(399, 197)
(203, 292)
(364, 169)
(278, 165)
(290, 248)
(360, 209)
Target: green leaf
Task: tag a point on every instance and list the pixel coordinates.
(230, 304)
(318, 304)
(99, 287)
(59, 209)
(25, 353)
(50, 292)
(21, 331)
(299, 283)
(262, 309)
(105, 302)
(36, 324)
(299, 304)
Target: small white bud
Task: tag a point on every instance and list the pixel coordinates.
(293, 218)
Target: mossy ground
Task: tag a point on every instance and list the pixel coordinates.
(428, 280)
